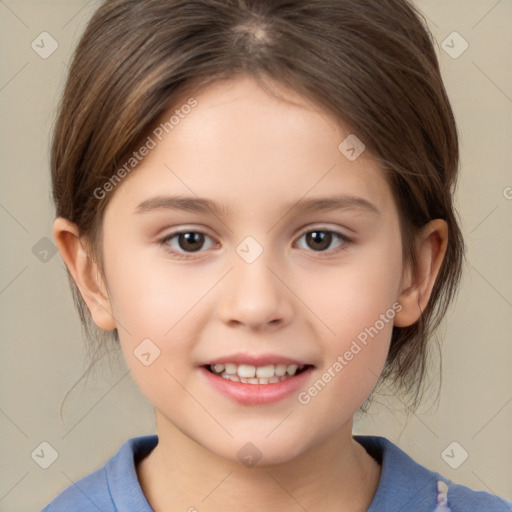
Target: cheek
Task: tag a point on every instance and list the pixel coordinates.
(150, 295)
(351, 296)
(353, 357)
(153, 304)
(161, 301)
(356, 303)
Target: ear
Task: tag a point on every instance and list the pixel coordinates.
(417, 286)
(85, 272)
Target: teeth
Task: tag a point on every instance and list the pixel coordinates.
(246, 370)
(249, 374)
(265, 372)
(280, 369)
(291, 369)
(231, 368)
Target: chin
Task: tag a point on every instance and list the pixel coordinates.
(260, 452)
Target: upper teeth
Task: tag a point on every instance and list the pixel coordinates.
(261, 372)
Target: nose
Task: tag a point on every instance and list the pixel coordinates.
(256, 295)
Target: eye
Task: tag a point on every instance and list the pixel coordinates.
(320, 239)
(186, 242)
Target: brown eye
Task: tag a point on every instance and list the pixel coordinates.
(190, 241)
(185, 241)
(319, 240)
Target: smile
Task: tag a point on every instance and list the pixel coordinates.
(249, 374)
(252, 385)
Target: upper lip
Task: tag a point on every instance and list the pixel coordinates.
(255, 360)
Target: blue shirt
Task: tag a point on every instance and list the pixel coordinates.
(404, 486)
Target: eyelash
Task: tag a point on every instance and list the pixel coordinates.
(189, 255)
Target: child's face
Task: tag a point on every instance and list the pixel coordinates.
(304, 298)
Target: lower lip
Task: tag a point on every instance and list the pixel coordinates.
(257, 394)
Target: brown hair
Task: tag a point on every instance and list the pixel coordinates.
(370, 63)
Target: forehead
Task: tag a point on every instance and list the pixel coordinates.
(245, 146)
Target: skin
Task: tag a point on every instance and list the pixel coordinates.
(257, 155)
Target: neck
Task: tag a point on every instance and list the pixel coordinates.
(179, 474)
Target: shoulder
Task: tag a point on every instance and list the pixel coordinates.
(110, 486)
(407, 485)
(89, 493)
(462, 498)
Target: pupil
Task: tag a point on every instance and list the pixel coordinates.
(321, 237)
(190, 239)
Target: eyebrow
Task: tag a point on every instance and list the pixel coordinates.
(203, 205)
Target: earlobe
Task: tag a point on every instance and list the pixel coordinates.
(431, 244)
(85, 272)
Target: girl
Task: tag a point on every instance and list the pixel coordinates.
(202, 150)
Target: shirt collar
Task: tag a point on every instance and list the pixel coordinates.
(123, 484)
(404, 485)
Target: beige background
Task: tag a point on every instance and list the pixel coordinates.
(41, 345)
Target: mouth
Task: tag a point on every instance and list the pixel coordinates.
(256, 379)
(250, 374)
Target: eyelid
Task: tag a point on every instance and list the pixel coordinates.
(324, 227)
(185, 229)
